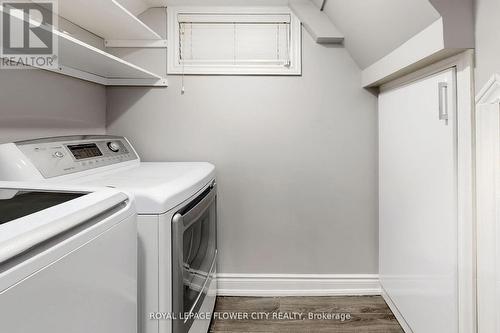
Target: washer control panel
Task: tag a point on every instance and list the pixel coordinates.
(64, 155)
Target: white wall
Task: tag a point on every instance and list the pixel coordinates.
(296, 157)
(487, 40)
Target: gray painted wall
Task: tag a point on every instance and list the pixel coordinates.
(296, 157)
(374, 28)
(37, 103)
(487, 40)
(458, 18)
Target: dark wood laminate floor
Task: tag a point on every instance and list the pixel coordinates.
(367, 314)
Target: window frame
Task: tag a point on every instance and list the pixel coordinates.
(175, 67)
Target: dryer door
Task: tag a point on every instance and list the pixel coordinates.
(194, 249)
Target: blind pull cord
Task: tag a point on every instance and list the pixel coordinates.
(288, 62)
(183, 90)
(181, 43)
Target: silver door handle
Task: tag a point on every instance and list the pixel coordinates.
(191, 216)
(443, 100)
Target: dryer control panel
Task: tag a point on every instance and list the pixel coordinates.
(65, 155)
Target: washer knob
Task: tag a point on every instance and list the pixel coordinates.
(113, 146)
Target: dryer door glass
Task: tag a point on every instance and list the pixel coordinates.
(194, 251)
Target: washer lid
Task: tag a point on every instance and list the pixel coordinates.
(157, 187)
(60, 208)
(15, 204)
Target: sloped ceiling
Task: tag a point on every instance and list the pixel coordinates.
(373, 28)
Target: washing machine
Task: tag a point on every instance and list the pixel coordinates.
(68, 260)
(177, 219)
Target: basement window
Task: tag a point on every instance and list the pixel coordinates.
(233, 41)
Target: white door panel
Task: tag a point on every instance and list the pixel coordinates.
(488, 207)
(418, 203)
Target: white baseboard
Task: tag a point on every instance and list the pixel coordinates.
(297, 284)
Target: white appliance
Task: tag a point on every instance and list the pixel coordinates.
(176, 203)
(68, 260)
(418, 221)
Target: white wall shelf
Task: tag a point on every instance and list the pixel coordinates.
(107, 19)
(86, 62)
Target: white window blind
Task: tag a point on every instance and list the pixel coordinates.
(235, 43)
(243, 42)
